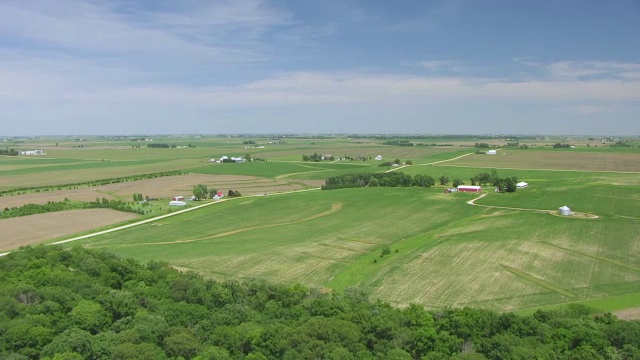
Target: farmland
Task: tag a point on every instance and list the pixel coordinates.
(33, 229)
(442, 251)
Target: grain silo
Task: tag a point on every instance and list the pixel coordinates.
(565, 210)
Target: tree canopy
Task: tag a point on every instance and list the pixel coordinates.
(88, 304)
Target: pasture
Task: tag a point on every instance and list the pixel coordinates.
(443, 251)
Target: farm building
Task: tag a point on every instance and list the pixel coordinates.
(177, 198)
(177, 203)
(522, 185)
(565, 210)
(469, 188)
(491, 152)
(379, 157)
(32, 152)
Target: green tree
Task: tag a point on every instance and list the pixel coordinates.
(200, 191)
(90, 316)
(181, 342)
(457, 182)
(444, 180)
(143, 351)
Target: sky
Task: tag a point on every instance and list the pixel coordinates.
(315, 66)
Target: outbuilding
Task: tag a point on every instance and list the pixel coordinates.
(469, 188)
(491, 152)
(177, 203)
(177, 198)
(565, 210)
(521, 185)
(379, 157)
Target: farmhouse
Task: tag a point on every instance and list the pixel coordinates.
(491, 152)
(32, 152)
(522, 185)
(469, 188)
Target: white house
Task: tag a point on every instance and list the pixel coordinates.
(379, 157)
(522, 185)
(491, 152)
(32, 152)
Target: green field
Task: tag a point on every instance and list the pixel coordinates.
(504, 254)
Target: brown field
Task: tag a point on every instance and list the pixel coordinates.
(554, 160)
(48, 226)
(163, 187)
(628, 314)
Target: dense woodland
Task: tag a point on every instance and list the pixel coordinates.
(80, 303)
(390, 179)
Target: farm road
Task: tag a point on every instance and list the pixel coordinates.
(473, 202)
(433, 163)
(163, 217)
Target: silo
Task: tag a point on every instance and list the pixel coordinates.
(565, 210)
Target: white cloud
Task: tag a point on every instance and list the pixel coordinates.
(584, 69)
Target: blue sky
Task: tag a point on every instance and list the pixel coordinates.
(252, 66)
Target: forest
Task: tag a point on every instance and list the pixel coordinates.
(388, 179)
(88, 304)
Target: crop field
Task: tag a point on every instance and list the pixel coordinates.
(448, 252)
(603, 160)
(160, 188)
(506, 253)
(34, 229)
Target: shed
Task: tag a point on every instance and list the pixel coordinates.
(491, 152)
(521, 185)
(469, 188)
(379, 157)
(177, 203)
(565, 210)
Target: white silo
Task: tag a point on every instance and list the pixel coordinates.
(565, 210)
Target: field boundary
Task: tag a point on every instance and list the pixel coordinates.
(537, 281)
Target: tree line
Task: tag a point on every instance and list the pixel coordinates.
(399, 179)
(54, 206)
(9, 152)
(24, 190)
(390, 179)
(89, 304)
